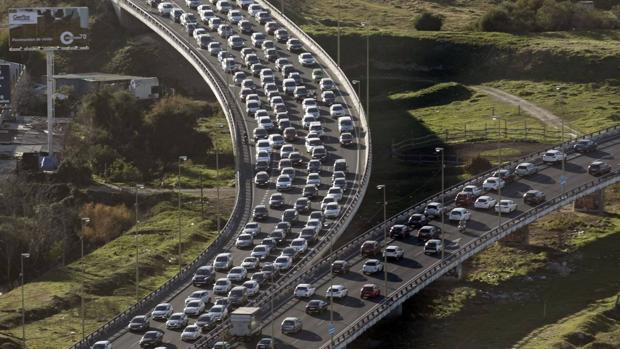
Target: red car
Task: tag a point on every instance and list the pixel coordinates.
(464, 199)
(370, 291)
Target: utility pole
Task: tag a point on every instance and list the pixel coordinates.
(499, 167)
(383, 187)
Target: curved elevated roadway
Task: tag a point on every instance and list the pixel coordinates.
(354, 315)
(357, 156)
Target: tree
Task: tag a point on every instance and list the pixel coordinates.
(496, 20)
(428, 21)
(554, 16)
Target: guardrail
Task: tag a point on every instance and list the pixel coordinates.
(319, 269)
(241, 201)
(441, 267)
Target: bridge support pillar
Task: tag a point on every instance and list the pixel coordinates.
(519, 237)
(455, 273)
(593, 203)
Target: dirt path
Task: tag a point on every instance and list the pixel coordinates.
(541, 114)
(209, 193)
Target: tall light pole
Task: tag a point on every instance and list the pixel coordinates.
(181, 158)
(138, 188)
(366, 25)
(443, 199)
(338, 38)
(21, 274)
(85, 221)
(359, 96)
(563, 178)
(383, 187)
(217, 179)
(499, 167)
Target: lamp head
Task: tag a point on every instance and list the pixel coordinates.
(438, 149)
(26, 255)
(381, 186)
(183, 157)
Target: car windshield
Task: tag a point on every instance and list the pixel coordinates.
(150, 335)
(138, 320)
(288, 323)
(236, 293)
(221, 282)
(221, 259)
(367, 289)
(259, 249)
(297, 243)
(371, 263)
(161, 307)
(176, 317)
(216, 309)
(193, 304)
(431, 207)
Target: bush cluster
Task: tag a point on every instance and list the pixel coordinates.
(428, 21)
(524, 16)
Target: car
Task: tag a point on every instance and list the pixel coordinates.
(304, 291)
(271, 54)
(290, 252)
(433, 209)
(296, 158)
(265, 343)
(313, 179)
(271, 27)
(291, 325)
(294, 45)
(259, 277)
(306, 59)
(238, 77)
(252, 228)
(336, 291)
(300, 92)
(284, 226)
(493, 183)
(276, 200)
(235, 42)
(175, 14)
(260, 133)
(299, 244)
(153, 3)
(283, 262)
(283, 183)
(237, 274)
(203, 276)
(472, 189)
(310, 191)
(252, 287)
(320, 153)
(201, 295)
(199, 31)
(399, 231)
(250, 263)
(311, 143)
(463, 199)
(271, 272)
(281, 35)
(553, 156)
(151, 339)
(289, 215)
(526, 169)
(340, 165)
(246, 26)
(327, 84)
(102, 345)
(303, 204)
(599, 168)
(238, 296)
(585, 145)
(224, 6)
(328, 97)
(369, 291)
(345, 139)
(428, 232)
(276, 141)
(218, 312)
(332, 210)
(222, 286)
(193, 4)
(225, 31)
(190, 333)
(260, 251)
(505, 174)
(260, 212)
(288, 171)
(505, 206)
(206, 15)
(194, 308)
(394, 252)
(234, 16)
(165, 8)
(221, 345)
(257, 39)
(485, 202)
(262, 17)
(176, 321)
(223, 261)
(340, 267)
(316, 306)
(372, 266)
(459, 214)
(336, 174)
(162, 311)
(417, 220)
(206, 322)
(139, 323)
(308, 119)
(534, 197)
(214, 48)
(215, 23)
(345, 124)
(261, 179)
(253, 9)
(285, 150)
(326, 200)
(308, 233)
(336, 110)
(433, 246)
(203, 41)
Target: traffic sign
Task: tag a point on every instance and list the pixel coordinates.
(331, 329)
(563, 180)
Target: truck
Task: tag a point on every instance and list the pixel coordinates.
(245, 322)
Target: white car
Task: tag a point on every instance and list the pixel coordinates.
(283, 263)
(177, 320)
(165, 8)
(283, 182)
(222, 286)
(214, 48)
(263, 156)
(332, 210)
(218, 312)
(281, 35)
(223, 6)
(288, 86)
(327, 84)
(235, 16)
(433, 209)
(304, 291)
(308, 119)
(309, 102)
(300, 244)
(433, 246)
(187, 18)
(237, 274)
(553, 156)
(336, 192)
(312, 110)
(345, 124)
(458, 214)
(526, 169)
(315, 224)
(251, 107)
(314, 179)
(199, 31)
(474, 190)
(190, 333)
(252, 287)
(252, 228)
(394, 252)
(250, 263)
(306, 59)
(102, 345)
(162, 311)
(505, 206)
(225, 31)
(214, 23)
(194, 308)
(244, 3)
(263, 144)
(257, 39)
(493, 183)
(372, 266)
(286, 150)
(193, 4)
(336, 110)
(316, 128)
(266, 123)
(327, 200)
(311, 143)
(336, 291)
(485, 202)
(206, 15)
(260, 251)
(276, 141)
(201, 295)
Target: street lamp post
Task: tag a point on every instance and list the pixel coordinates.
(563, 178)
(138, 188)
(23, 255)
(217, 179)
(365, 24)
(383, 187)
(359, 96)
(499, 167)
(443, 200)
(85, 221)
(181, 158)
(338, 39)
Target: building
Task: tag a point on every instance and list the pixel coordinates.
(82, 84)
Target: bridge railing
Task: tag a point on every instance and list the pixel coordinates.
(223, 239)
(452, 260)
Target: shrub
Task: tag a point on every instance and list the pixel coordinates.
(70, 171)
(122, 171)
(106, 222)
(478, 165)
(428, 21)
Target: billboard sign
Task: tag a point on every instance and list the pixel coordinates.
(5, 84)
(48, 28)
